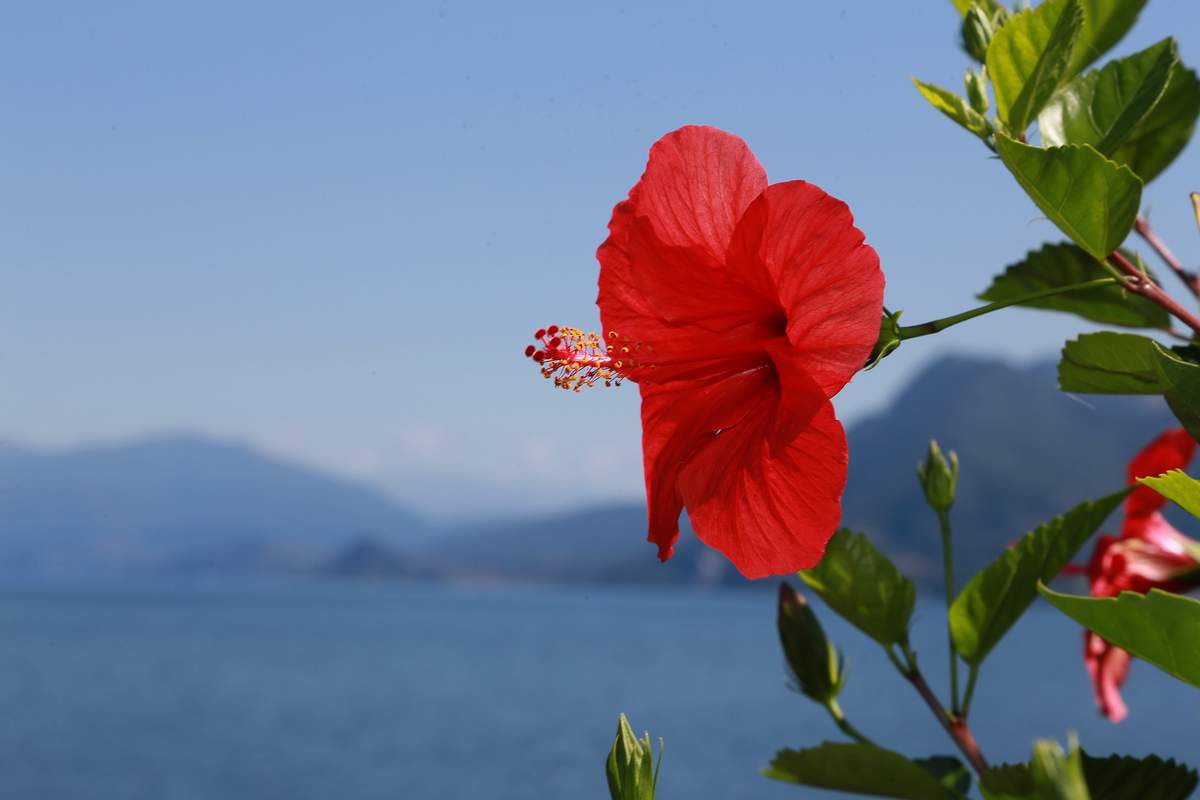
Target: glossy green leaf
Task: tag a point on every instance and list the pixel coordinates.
(1110, 363)
(1058, 265)
(1105, 22)
(1102, 108)
(863, 587)
(1029, 57)
(1093, 200)
(1008, 782)
(953, 774)
(1182, 380)
(1161, 136)
(1123, 363)
(1178, 487)
(996, 597)
(1158, 627)
(1108, 778)
(860, 769)
(955, 107)
(1130, 778)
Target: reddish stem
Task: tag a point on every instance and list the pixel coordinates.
(1189, 278)
(956, 727)
(1138, 283)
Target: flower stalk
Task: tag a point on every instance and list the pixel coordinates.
(938, 325)
(1137, 282)
(955, 726)
(1189, 278)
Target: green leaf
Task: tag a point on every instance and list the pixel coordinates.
(1130, 778)
(1029, 57)
(1158, 627)
(1122, 363)
(1165, 131)
(1110, 363)
(1058, 265)
(861, 769)
(1182, 380)
(956, 108)
(1105, 22)
(861, 585)
(1103, 108)
(1179, 487)
(953, 774)
(1007, 782)
(999, 594)
(1093, 200)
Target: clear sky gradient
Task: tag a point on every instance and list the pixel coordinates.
(329, 230)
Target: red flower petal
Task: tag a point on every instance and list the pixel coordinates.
(652, 295)
(1172, 450)
(1108, 666)
(770, 513)
(698, 182)
(678, 420)
(798, 245)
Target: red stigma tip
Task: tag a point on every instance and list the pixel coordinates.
(539, 333)
(539, 356)
(555, 342)
(552, 330)
(529, 351)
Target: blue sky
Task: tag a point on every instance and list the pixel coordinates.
(329, 231)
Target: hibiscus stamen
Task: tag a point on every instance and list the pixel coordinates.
(575, 359)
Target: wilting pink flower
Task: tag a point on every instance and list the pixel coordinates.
(1149, 554)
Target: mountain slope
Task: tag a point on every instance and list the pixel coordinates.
(178, 499)
(1018, 470)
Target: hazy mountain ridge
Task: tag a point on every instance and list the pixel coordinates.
(190, 505)
(180, 501)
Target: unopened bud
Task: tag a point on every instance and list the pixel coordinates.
(977, 95)
(938, 477)
(977, 32)
(631, 768)
(816, 665)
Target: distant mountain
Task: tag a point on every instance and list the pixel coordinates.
(190, 505)
(180, 502)
(1028, 452)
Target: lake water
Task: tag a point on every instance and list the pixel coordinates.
(310, 691)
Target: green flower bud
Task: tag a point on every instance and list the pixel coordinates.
(977, 94)
(631, 768)
(817, 667)
(977, 32)
(938, 478)
(1058, 775)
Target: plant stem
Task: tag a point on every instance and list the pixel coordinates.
(956, 727)
(839, 718)
(1189, 278)
(1136, 282)
(948, 579)
(934, 326)
(972, 675)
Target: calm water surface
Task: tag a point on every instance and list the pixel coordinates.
(309, 691)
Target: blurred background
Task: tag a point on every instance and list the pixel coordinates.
(283, 510)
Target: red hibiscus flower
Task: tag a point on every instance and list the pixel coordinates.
(739, 309)
(1149, 554)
